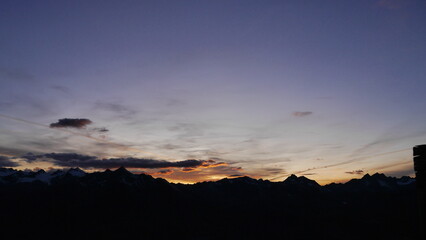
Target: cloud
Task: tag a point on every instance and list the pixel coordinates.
(192, 175)
(164, 172)
(359, 172)
(71, 122)
(170, 146)
(61, 88)
(206, 164)
(11, 151)
(402, 170)
(29, 103)
(350, 161)
(274, 170)
(187, 130)
(189, 169)
(6, 162)
(302, 114)
(15, 74)
(30, 157)
(213, 163)
(4, 105)
(309, 174)
(85, 161)
(101, 130)
(392, 137)
(391, 4)
(116, 108)
(175, 103)
(236, 175)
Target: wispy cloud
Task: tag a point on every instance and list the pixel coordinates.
(347, 162)
(101, 130)
(11, 151)
(61, 89)
(187, 129)
(274, 170)
(386, 141)
(205, 174)
(235, 175)
(391, 4)
(169, 146)
(302, 114)
(358, 172)
(163, 172)
(117, 109)
(15, 74)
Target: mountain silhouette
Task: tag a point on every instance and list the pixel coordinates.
(119, 204)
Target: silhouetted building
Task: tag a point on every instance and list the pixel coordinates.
(419, 157)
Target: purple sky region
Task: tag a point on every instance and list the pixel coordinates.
(329, 89)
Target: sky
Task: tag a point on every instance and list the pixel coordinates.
(202, 90)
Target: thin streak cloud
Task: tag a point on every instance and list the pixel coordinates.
(344, 162)
(302, 114)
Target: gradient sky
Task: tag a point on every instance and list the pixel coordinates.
(326, 89)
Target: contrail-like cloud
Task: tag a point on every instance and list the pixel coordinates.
(343, 163)
(352, 160)
(302, 114)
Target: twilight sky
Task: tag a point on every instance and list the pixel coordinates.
(202, 90)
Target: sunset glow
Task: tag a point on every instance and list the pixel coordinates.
(195, 92)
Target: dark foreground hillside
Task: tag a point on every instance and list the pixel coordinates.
(118, 205)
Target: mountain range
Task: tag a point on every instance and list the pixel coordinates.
(118, 204)
(375, 182)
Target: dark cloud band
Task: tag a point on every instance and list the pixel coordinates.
(84, 161)
(6, 162)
